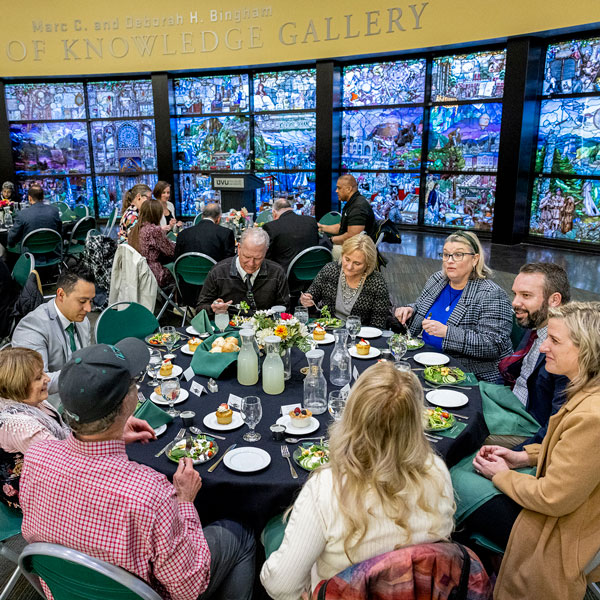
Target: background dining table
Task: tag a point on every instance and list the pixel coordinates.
(253, 498)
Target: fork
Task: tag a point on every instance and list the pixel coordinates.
(178, 437)
(285, 452)
(434, 387)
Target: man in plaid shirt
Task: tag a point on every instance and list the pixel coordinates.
(84, 492)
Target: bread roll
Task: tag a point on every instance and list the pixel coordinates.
(229, 347)
(231, 340)
(218, 342)
(216, 349)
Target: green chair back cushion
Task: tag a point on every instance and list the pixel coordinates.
(10, 522)
(330, 219)
(134, 321)
(22, 269)
(193, 269)
(308, 266)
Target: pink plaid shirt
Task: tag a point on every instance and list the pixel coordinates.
(89, 496)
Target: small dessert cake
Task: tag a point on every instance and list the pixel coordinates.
(300, 417)
(224, 415)
(319, 333)
(193, 343)
(363, 348)
(166, 368)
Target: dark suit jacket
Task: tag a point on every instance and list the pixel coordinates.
(36, 216)
(206, 237)
(290, 234)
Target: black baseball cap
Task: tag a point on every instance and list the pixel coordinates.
(95, 380)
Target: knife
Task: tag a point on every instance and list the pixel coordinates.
(211, 469)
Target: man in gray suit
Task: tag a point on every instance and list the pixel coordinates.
(59, 327)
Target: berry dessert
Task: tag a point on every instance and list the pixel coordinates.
(300, 417)
(224, 415)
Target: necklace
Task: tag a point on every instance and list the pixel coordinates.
(453, 297)
(348, 293)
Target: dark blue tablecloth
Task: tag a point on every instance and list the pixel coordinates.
(255, 498)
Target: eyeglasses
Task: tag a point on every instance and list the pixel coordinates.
(456, 256)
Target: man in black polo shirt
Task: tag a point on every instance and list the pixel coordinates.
(357, 214)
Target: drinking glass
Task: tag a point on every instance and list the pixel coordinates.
(337, 403)
(221, 321)
(301, 313)
(154, 366)
(353, 326)
(170, 336)
(170, 389)
(251, 411)
(402, 365)
(397, 344)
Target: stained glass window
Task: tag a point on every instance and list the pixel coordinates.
(73, 190)
(110, 99)
(111, 189)
(465, 137)
(299, 185)
(50, 148)
(195, 188)
(285, 141)
(382, 139)
(465, 201)
(398, 82)
(45, 101)
(468, 76)
(216, 94)
(285, 90)
(572, 67)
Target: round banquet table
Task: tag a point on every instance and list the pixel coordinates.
(256, 497)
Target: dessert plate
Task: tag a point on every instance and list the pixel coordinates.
(431, 359)
(176, 372)
(447, 398)
(369, 332)
(186, 350)
(373, 352)
(247, 459)
(160, 430)
(183, 396)
(286, 421)
(328, 339)
(210, 420)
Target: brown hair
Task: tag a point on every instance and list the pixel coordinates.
(18, 368)
(555, 279)
(151, 212)
(159, 188)
(131, 193)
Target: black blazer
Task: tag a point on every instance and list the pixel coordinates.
(35, 216)
(206, 237)
(290, 234)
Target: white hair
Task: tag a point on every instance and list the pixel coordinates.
(256, 236)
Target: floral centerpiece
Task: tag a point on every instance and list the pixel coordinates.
(5, 203)
(287, 328)
(238, 220)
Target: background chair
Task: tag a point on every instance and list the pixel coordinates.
(197, 218)
(306, 265)
(81, 211)
(23, 268)
(130, 320)
(76, 243)
(73, 575)
(331, 218)
(110, 223)
(46, 246)
(10, 525)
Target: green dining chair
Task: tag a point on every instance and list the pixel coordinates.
(10, 525)
(331, 218)
(306, 265)
(124, 319)
(23, 268)
(46, 245)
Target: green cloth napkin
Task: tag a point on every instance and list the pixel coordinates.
(152, 414)
(201, 323)
(453, 432)
(503, 412)
(272, 535)
(212, 365)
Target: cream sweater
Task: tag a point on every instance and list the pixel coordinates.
(313, 546)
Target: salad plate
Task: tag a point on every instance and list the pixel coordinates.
(438, 419)
(156, 339)
(204, 448)
(431, 358)
(310, 456)
(414, 343)
(440, 375)
(447, 398)
(158, 399)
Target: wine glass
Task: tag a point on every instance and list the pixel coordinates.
(170, 389)
(222, 320)
(170, 336)
(154, 366)
(398, 347)
(251, 411)
(353, 326)
(301, 313)
(337, 403)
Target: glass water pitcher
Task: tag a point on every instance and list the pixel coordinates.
(340, 363)
(315, 384)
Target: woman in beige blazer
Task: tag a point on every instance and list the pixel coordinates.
(557, 534)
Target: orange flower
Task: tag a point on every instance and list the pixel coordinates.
(281, 331)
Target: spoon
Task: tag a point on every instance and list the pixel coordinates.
(291, 440)
(197, 431)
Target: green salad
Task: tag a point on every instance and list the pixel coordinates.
(414, 343)
(313, 456)
(326, 320)
(441, 374)
(202, 449)
(437, 418)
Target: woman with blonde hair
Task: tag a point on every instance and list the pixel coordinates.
(132, 202)
(460, 311)
(382, 489)
(352, 286)
(557, 533)
(25, 415)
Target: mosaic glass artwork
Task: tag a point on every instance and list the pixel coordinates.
(569, 136)
(465, 201)
(109, 99)
(110, 190)
(194, 189)
(468, 76)
(400, 82)
(124, 146)
(285, 90)
(285, 141)
(465, 137)
(45, 101)
(213, 143)
(566, 209)
(299, 185)
(382, 139)
(572, 67)
(205, 95)
(393, 196)
(50, 148)
(73, 190)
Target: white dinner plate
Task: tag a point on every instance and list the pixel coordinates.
(368, 333)
(431, 359)
(328, 339)
(183, 396)
(247, 459)
(286, 421)
(189, 329)
(210, 420)
(373, 352)
(447, 398)
(160, 430)
(176, 372)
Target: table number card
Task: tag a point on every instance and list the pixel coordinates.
(196, 388)
(188, 374)
(355, 373)
(346, 388)
(234, 401)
